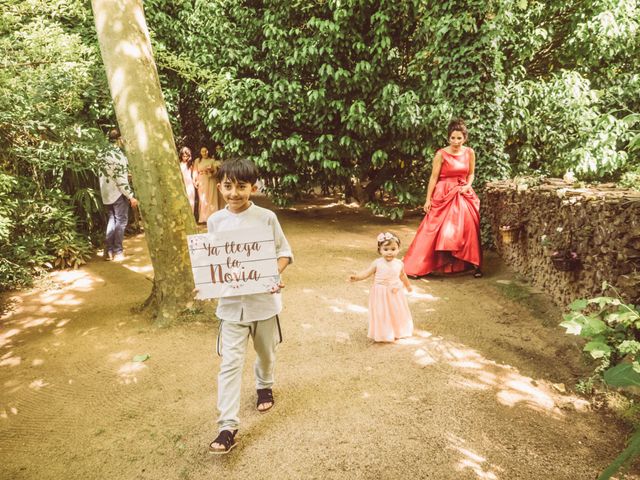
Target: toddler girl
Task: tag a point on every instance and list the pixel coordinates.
(389, 315)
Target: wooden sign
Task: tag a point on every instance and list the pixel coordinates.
(234, 262)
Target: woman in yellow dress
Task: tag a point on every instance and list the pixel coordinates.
(205, 169)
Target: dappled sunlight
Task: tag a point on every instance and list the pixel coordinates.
(471, 460)
(421, 295)
(129, 49)
(409, 341)
(6, 413)
(519, 390)
(423, 358)
(339, 305)
(127, 373)
(44, 303)
(80, 280)
(141, 269)
(475, 372)
(356, 308)
(10, 361)
(38, 384)
(466, 364)
(421, 333)
(30, 322)
(5, 338)
(53, 307)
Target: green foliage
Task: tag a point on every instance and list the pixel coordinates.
(36, 232)
(572, 82)
(556, 125)
(52, 95)
(613, 330)
(344, 94)
(357, 94)
(622, 375)
(351, 95)
(628, 454)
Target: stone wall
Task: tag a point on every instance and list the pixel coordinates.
(600, 224)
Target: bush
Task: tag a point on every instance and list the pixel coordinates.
(37, 232)
(613, 330)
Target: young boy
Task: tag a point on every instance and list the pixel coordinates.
(245, 315)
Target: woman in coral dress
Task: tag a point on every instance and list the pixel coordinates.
(209, 197)
(448, 239)
(186, 167)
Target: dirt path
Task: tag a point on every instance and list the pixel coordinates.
(470, 396)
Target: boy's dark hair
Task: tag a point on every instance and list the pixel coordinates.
(238, 170)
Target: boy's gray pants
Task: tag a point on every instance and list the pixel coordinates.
(232, 346)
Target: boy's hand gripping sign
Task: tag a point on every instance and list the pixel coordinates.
(235, 262)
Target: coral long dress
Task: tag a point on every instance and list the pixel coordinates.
(448, 239)
(209, 197)
(389, 314)
(187, 177)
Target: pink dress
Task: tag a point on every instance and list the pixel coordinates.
(187, 176)
(389, 314)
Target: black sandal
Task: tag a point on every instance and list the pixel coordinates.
(265, 395)
(477, 273)
(227, 439)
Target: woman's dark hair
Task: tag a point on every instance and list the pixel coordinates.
(238, 170)
(184, 150)
(457, 125)
(113, 135)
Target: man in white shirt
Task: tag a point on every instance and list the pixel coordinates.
(245, 316)
(116, 195)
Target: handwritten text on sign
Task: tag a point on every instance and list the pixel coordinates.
(235, 262)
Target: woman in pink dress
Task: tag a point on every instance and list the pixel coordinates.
(209, 197)
(448, 239)
(186, 167)
(389, 314)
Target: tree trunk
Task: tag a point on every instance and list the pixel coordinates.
(142, 116)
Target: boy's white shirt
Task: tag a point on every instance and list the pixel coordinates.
(258, 306)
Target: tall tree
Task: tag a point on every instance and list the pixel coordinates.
(141, 112)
